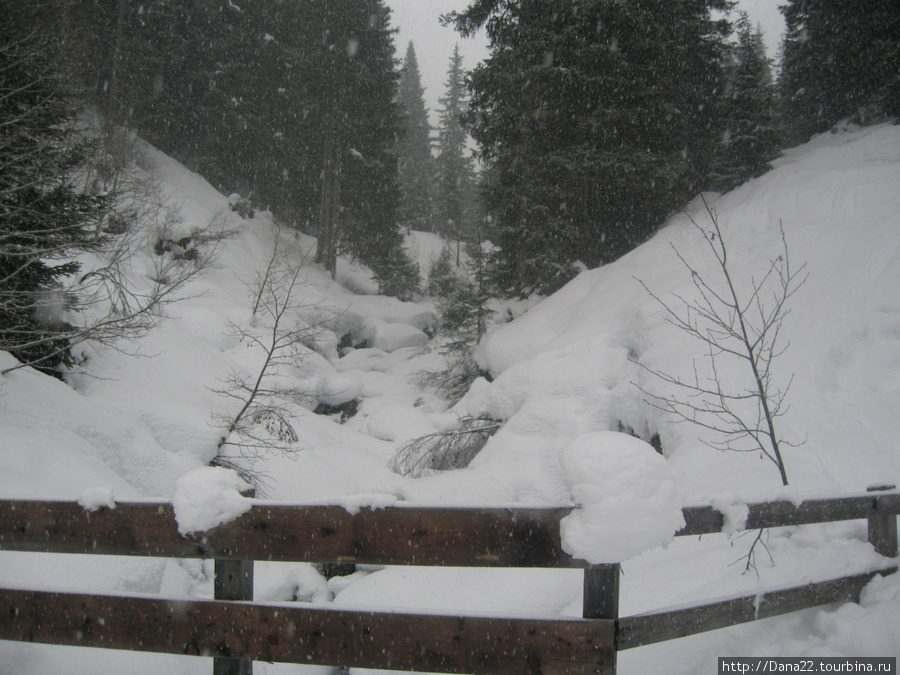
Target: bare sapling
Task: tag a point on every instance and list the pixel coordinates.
(281, 333)
(732, 327)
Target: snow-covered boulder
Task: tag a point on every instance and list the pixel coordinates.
(390, 337)
(322, 383)
(392, 310)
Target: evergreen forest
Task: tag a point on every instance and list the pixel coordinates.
(593, 120)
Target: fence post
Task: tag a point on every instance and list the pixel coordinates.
(601, 598)
(233, 581)
(882, 526)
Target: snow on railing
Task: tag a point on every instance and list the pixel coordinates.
(238, 631)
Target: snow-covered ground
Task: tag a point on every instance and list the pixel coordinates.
(564, 375)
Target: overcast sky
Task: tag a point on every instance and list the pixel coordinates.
(419, 21)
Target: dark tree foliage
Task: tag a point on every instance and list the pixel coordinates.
(46, 217)
(751, 135)
(415, 163)
(598, 118)
(359, 125)
(455, 209)
(291, 103)
(840, 60)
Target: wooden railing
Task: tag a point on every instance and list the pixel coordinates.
(237, 631)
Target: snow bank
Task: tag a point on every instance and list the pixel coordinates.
(627, 498)
(207, 497)
(571, 363)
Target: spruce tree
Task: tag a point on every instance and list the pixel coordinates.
(414, 160)
(597, 119)
(751, 135)
(455, 172)
(46, 217)
(839, 61)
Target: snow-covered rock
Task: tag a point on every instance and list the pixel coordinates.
(390, 337)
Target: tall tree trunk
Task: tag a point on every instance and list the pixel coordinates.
(330, 204)
(108, 85)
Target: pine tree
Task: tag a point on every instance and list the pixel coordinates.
(465, 313)
(455, 171)
(751, 136)
(839, 61)
(46, 219)
(414, 160)
(597, 119)
(352, 99)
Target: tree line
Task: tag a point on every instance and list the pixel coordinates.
(594, 120)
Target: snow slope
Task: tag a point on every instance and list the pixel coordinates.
(562, 372)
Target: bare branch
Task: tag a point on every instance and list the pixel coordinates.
(747, 330)
(444, 450)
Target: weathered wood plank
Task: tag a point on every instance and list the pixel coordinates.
(700, 520)
(600, 597)
(779, 514)
(483, 537)
(882, 523)
(417, 536)
(707, 520)
(647, 629)
(449, 644)
(489, 537)
(233, 581)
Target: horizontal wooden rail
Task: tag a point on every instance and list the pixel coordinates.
(291, 634)
(402, 535)
(707, 520)
(482, 537)
(235, 633)
(659, 626)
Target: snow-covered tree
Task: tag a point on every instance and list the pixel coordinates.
(597, 118)
(839, 61)
(46, 217)
(414, 160)
(751, 135)
(456, 194)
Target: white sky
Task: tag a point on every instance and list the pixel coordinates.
(418, 20)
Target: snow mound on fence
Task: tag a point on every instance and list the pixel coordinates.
(627, 498)
(207, 497)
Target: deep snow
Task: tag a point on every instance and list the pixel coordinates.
(564, 371)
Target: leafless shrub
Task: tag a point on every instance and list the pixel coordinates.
(733, 328)
(266, 400)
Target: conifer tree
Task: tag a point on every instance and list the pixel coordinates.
(415, 163)
(597, 119)
(751, 133)
(455, 171)
(46, 218)
(839, 61)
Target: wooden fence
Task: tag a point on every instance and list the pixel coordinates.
(236, 631)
